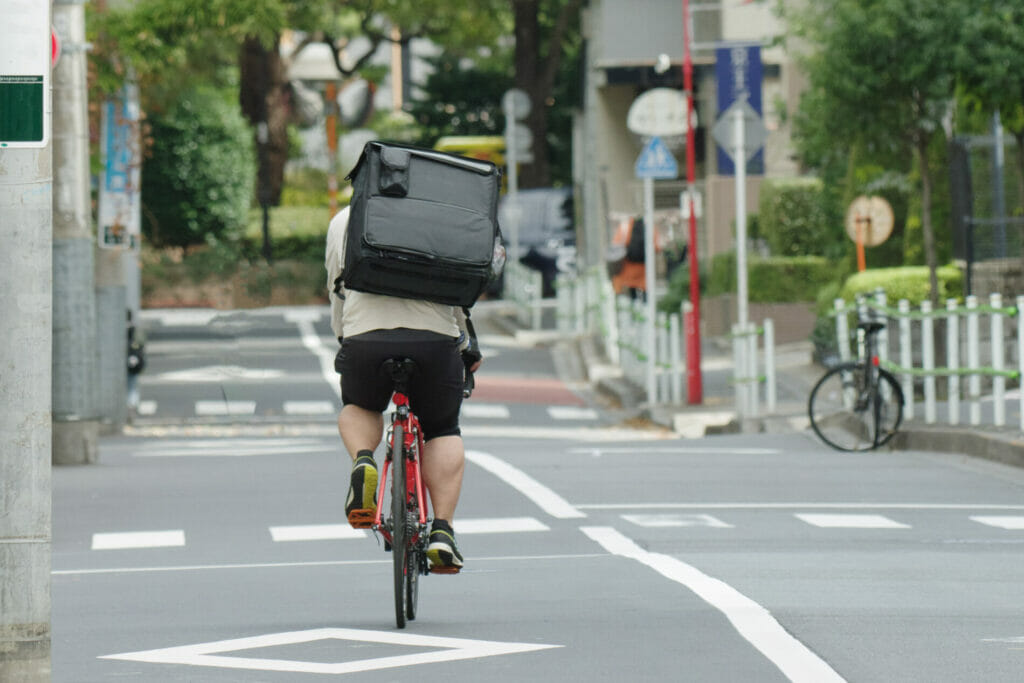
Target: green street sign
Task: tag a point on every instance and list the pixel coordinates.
(21, 109)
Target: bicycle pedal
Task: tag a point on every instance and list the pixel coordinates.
(445, 570)
(362, 519)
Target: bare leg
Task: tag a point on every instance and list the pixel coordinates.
(444, 461)
(360, 429)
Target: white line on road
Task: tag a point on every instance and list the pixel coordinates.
(598, 451)
(670, 520)
(750, 619)
(541, 495)
(798, 506)
(576, 434)
(312, 341)
(571, 413)
(499, 525)
(138, 539)
(147, 408)
(851, 521)
(225, 407)
(315, 532)
(1012, 523)
(449, 650)
(309, 408)
(232, 447)
(494, 411)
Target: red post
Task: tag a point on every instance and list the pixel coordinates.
(694, 384)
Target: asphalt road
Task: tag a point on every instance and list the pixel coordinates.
(208, 544)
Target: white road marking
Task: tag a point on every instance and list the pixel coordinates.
(541, 495)
(750, 619)
(225, 407)
(312, 341)
(451, 649)
(485, 411)
(315, 532)
(571, 413)
(233, 447)
(217, 374)
(577, 434)
(669, 520)
(804, 506)
(181, 317)
(851, 521)
(1012, 523)
(309, 408)
(598, 451)
(138, 539)
(147, 408)
(499, 525)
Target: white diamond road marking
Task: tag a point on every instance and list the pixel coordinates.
(147, 408)
(499, 525)
(138, 539)
(449, 650)
(485, 411)
(1011, 523)
(315, 532)
(225, 407)
(670, 520)
(309, 408)
(571, 413)
(851, 521)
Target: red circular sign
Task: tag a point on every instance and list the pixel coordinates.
(54, 47)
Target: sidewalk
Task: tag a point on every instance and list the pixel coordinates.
(796, 374)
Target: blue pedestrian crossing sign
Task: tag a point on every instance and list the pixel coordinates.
(655, 161)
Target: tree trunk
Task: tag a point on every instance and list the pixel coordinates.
(927, 231)
(264, 97)
(528, 79)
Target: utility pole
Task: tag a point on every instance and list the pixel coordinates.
(694, 383)
(75, 377)
(26, 196)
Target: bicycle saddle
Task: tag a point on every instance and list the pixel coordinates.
(871, 326)
(399, 370)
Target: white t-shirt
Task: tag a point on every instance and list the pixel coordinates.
(363, 312)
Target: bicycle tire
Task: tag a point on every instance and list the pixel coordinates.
(412, 582)
(399, 547)
(847, 416)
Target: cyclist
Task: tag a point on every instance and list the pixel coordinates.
(372, 328)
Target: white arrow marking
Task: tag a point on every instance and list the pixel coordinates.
(205, 654)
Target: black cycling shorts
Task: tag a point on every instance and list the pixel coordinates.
(435, 391)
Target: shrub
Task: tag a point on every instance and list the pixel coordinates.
(776, 278)
(792, 218)
(198, 180)
(906, 282)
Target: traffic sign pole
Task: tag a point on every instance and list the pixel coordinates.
(649, 267)
(740, 159)
(694, 383)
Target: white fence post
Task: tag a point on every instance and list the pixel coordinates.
(998, 380)
(842, 330)
(906, 358)
(676, 351)
(928, 361)
(739, 365)
(973, 361)
(771, 394)
(883, 334)
(753, 382)
(953, 361)
(1020, 359)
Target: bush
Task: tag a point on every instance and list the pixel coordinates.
(199, 178)
(776, 278)
(792, 218)
(906, 282)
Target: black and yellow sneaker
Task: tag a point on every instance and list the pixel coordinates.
(361, 504)
(442, 552)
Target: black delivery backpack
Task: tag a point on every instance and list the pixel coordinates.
(422, 224)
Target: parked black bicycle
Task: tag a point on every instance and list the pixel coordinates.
(857, 405)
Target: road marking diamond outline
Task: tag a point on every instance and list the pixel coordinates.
(206, 654)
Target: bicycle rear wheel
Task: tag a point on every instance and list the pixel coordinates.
(399, 528)
(412, 583)
(846, 412)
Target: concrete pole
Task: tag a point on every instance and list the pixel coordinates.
(26, 196)
(75, 410)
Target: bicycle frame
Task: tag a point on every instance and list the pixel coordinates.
(412, 448)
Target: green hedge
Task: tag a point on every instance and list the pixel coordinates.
(906, 282)
(792, 217)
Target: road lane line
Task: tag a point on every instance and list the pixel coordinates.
(312, 341)
(670, 520)
(797, 506)
(138, 539)
(499, 525)
(546, 499)
(315, 532)
(494, 411)
(571, 413)
(750, 619)
(1011, 523)
(851, 521)
(309, 408)
(225, 407)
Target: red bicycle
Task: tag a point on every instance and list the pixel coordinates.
(406, 528)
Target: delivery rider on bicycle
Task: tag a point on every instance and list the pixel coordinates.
(373, 328)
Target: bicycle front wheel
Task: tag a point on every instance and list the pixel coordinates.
(849, 414)
(399, 546)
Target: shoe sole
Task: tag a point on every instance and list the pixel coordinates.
(442, 562)
(363, 517)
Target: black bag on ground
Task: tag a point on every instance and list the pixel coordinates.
(422, 224)
(635, 247)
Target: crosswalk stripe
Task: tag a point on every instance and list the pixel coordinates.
(315, 532)
(225, 407)
(851, 521)
(494, 411)
(571, 413)
(1011, 523)
(499, 525)
(147, 408)
(138, 539)
(676, 520)
(309, 408)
